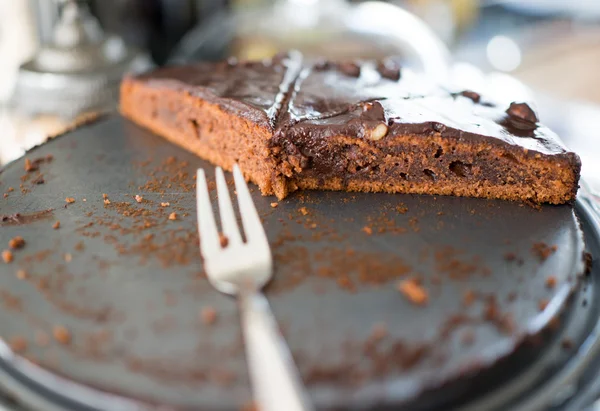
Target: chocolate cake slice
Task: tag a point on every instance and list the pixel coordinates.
(367, 126)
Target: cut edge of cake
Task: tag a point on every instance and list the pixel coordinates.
(205, 129)
(466, 171)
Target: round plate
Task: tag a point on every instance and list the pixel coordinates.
(116, 299)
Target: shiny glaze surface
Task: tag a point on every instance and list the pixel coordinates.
(317, 99)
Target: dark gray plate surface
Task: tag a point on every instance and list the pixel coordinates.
(127, 282)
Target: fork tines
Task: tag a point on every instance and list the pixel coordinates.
(253, 230)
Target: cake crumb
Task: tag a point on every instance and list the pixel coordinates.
(70, 200)
(68, 257)
(84, 200)
(18, 344)
(208, 315)
(274, 205)
(105, 196)
(368, 230)
(468, 298)
(42, 283)
(61, 334)
(138, 198)
(165, 204)
(402, 208)
(414, 224)
(106, 201)
(7, 256)
(587, 258)
(543, 251)
(173, 216)
(224, 240)
(31, 166)
(542, 304)
(551, 282)
(22, 274)
(10, 190)
(554, 323)
(39, 180)
(379, 332)
(413, 291)
(303, 211)
(346, 283)
(56, 225)
(16, 243)
(566, 344)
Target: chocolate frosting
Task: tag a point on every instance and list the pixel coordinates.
(250, 89)
(296, 97)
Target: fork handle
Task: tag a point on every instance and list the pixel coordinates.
(275, 379)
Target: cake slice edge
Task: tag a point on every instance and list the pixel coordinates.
(206, 129)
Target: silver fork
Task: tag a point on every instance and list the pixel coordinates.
(242, 269)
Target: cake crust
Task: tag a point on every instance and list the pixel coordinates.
(367, 126)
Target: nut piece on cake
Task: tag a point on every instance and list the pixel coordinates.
(338, 131)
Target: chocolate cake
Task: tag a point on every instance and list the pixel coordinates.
(357, 126)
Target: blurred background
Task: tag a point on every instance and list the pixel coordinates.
(62, 59)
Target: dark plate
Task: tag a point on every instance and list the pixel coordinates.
(127, 284)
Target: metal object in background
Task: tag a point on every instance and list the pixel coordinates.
(154, 25)
(78, 71)
(46, 16)
(334, 29)
(18, 42)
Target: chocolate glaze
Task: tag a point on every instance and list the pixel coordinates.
(298, 99)
(250, 89)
